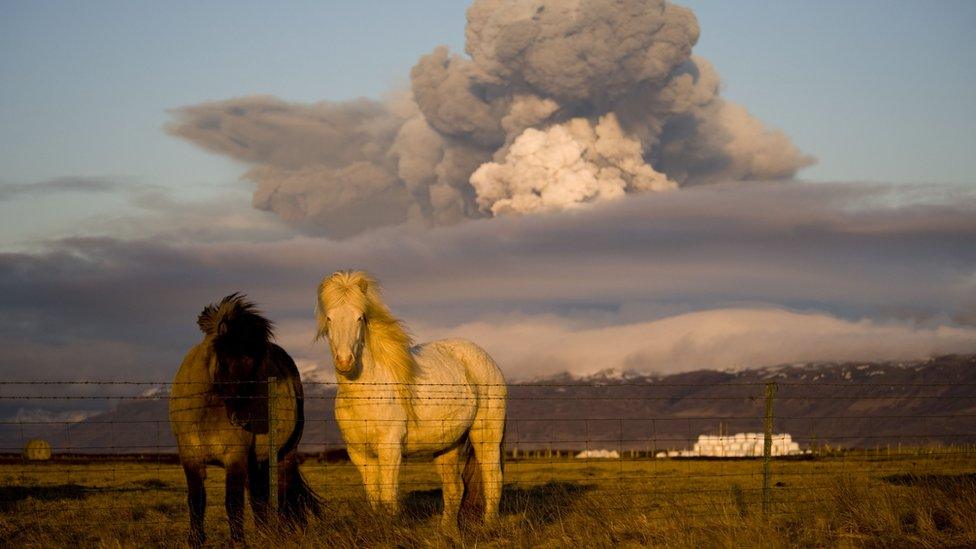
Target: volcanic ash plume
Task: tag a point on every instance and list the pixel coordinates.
(559, 103)
(566, 165)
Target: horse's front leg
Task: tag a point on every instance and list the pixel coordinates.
(369, 471)
(390, 455)
(258, 489)
(234, 499)
(196, 498)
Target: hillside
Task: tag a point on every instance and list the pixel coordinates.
(848, 405)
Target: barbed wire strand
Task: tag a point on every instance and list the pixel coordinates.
(641, 475)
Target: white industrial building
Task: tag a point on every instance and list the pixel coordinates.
(599, 454)
(737, 445)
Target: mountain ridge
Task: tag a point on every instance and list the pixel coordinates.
(849, 404)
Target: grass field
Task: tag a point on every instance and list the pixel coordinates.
(850, 500)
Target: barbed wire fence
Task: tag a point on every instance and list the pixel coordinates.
(78, 448)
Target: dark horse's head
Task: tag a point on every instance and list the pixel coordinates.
(240, 336)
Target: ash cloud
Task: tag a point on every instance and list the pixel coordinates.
(556, 104)
(839, 264)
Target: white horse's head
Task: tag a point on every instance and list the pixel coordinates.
(351, 313)
(342, 317)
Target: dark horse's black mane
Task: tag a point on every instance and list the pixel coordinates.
(235, 314)
(241, 337)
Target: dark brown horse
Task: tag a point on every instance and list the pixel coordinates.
(218, 410)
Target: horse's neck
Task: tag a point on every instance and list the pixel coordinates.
(378, 383)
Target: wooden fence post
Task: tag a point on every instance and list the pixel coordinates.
(768, 446)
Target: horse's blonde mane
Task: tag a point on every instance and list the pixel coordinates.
(386, 338)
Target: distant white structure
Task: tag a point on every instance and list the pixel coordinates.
(737, 445)
(601, 454)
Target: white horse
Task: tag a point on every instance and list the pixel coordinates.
(444, 398)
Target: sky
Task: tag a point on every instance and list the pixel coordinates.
(896, 74)
(154, 158)
(89, 87)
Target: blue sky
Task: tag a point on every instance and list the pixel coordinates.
(877, 91)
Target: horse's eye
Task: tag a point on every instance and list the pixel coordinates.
(361, 318)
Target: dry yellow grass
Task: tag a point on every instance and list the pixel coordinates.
(854, 500)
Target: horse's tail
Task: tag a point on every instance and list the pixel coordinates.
(473, 500)
(298, 500)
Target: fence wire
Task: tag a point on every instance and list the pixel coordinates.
(73, 452)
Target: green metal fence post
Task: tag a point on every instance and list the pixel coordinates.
(768, 445)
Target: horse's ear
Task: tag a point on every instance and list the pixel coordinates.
(363, 285)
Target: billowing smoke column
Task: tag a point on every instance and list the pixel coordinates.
(560, 103)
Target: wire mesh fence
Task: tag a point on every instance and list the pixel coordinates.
(77, 452)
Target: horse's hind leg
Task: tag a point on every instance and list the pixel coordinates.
(196, 498)
(453, 488)
(234, 499)
(486, 437)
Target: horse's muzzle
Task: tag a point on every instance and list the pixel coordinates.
(343, 364)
